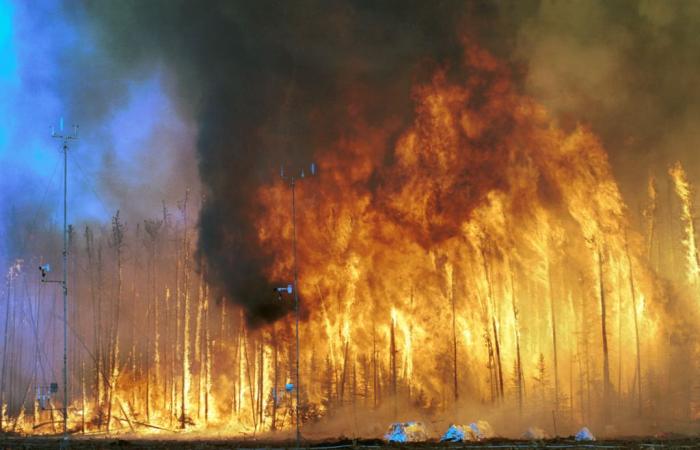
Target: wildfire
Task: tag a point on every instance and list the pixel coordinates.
(488, 218)
(484, 257)
(684, 192)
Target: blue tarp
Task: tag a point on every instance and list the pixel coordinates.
(475, 431)
(406, 432)
(456, 434)
(584, 434)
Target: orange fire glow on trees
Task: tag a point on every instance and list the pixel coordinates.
(481, 264)
(491, 260)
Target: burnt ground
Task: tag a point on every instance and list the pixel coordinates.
(104, 443)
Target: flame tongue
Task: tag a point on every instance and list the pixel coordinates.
(485, 202)
(484, 256)
(684, 192)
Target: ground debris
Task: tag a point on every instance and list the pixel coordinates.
(110, 443)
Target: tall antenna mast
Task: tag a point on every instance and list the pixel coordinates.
(65, 138)
(293, 179)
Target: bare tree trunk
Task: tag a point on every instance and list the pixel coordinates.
(101, 360)
(603, 324)
(275, 380)
(167, 373)
(354, 395)
(89, 248)
(492, 308)
(587, 359)
(8, 287)
(261, 374)
(207, 362)
(199, 350)
(186, 321)
(117, 243)
(82, 385)
(518, 360)
(650, 214)
(238, 357)
(51, 415)
(633, 294)
(392, 360)
(251, 390)
(177, 331)
(493, 377)
(172, 338)
(554, 336)
(375, 372)
(157, 369)
(37, 354)
(455, 365)
(153, 229)
(132, 359)
(341, 389)
(618, 292)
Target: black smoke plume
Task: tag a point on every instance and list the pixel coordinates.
(267, 82)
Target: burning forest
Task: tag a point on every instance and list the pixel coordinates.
(462, 249)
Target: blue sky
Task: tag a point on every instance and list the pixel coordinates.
(133, 137)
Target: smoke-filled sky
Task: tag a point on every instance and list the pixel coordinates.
(215, 95)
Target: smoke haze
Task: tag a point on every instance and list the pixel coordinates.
(266, 84)
(215, 96)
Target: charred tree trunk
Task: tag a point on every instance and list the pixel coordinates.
(518, 360)
(455, 365)
(186, 320)
(153, 228)
(494, 325)
(343, 374)
(275, 380)
(554, 336)
(250, 382)
(633, 295)
(96, 297)
(392, 356)
(8, 287)
(603, 325)
(82, 388)
(375, 373)
(207, 355)
(261, 374)
(650, 214)
(491, 365)
(117, 244)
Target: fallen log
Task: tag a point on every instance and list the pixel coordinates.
(146, 424)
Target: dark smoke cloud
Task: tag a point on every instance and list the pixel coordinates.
(269, 82)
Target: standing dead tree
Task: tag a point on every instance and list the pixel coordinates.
(492, 313)
(449, 272)
(553, 318)
(650, 216)
(117, 244)
(519, 380)
(10, 276)
(186, 370)
(95, 281)
(633, 295)
(604, 333)
(685, 193)
(153, 228)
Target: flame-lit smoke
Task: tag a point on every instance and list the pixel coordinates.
(476, 262)
(684, 192)
(486, 216)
